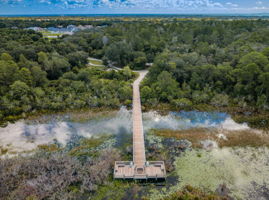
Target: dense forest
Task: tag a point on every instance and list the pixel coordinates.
(216, 62)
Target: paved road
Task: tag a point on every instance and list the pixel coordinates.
(139, 157)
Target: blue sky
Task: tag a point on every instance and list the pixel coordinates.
(133, 6)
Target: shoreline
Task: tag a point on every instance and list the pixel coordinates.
(252, 116)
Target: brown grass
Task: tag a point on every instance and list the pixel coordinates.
(3, 151)
(75, 114)
(234, 138)
(49, 147)
(193, 135)
(245, 138)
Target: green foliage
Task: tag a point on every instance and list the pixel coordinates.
(254, 57)
(207, 78)
(139, 62)
(182, 103)
(220, 100)
(19, 89)
(119, 52)
(166, 87)
(195, 62)
(8, 70)
(114, 191)
(25, 76)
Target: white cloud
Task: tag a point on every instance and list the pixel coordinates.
(160, 6)
(10, 1)
(261, 8)
(151, 4)
(232, 4)
(171, 4)
(259, 2)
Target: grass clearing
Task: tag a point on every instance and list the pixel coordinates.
(93, 61)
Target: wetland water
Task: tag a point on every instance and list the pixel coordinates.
(27, 135)
(243, 169)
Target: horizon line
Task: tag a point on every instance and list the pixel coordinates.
(182, 14)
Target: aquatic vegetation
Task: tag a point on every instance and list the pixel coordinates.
(168, 137)
(49, 147)
(193, 135)
(27, 135)
(203, 117)
(115, 190)
(92, 146)
(224, 138)
(259, 120)
(152, 139)
(240, 169)
(166, 149)
(191, 193)
(3, 151)
(92, 114)
(246, 138)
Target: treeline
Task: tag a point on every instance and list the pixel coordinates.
(45, 22)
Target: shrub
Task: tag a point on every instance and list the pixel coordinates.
(182, 103)
(220, 100)
(48, 175)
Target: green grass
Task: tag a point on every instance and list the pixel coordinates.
(95, 62)
(48, 34)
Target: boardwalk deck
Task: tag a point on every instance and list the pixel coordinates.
(139, 168)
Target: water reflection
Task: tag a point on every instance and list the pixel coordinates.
(23, 136)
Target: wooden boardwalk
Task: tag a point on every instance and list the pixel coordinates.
(139, 168)
(139, 156)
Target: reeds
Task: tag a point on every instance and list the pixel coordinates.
(242, 138)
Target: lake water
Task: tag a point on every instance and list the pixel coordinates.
(27, 135)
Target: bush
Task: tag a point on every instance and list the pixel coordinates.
(45, 176)
(220, 100)
(182, 103)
